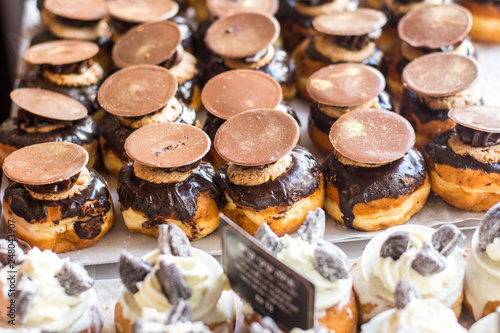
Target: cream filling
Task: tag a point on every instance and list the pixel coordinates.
(242, 64)
(52, 309)
(470, 96)
(337, 111)
(170, 113)
(327, 47)
(256, 176)
(46, 128)
(423, 316)
(81, 184)
(159, 176)
(299, 255)
(90, 33)
(327, 8)
(410, 52)
(481, 154)
(488, 324)
(399, 8)
(186, 69)
(91, 76)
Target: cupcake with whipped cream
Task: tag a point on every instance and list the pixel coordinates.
(155, 283)
(428, 258)
(413, 314)
(51, 295)
(488, 324)
(482, 269)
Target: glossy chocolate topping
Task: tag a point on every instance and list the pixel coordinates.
(137, 91)
(242, 35)
(115, 134)
(149, 43)
(346, 84)
(81, 132)
(185, 92)
(439, 152)
(140, 11)
(48, 104)
(60, 52)
(440, 74)
(167, 145)
(221, 8)
(363, 185)
(477, 138)
(45, 163)
(56, 187)
(301, 180)
(81, 10)
(235, 91)
(257, 137)
(372, 136)
(177, 201)
(314, 3)
(350, 23)
(481, 118)
(324, 122)
(36, 211)
(435, 26)
(74, 68)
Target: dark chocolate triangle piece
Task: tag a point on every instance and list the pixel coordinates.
(173, 284)
(313, 228)
(330, 262)
(25, 294)
(428, 261)
(268, 239)
(172, 240)
(489, 229)
(395, 245)
(74, 279)
(446, 238)
(132, 270)
(405, 293)
(181, 312)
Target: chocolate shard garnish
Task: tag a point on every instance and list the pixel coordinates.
(490, 227)
(74, 279)
(446, 238)
(25, 294)
(149, 326)
(330, 261)
(268, 239)
(266, 325)
(13, 255)
(181, 312)
(173, 284)
(313, 228)
(405, 293)
(132, 270)
(428, 261)
(395, 245)
(172, 240)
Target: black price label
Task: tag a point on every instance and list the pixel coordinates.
(271, 287)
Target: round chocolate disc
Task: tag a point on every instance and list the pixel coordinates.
(242, 35)
(221, 8)
(147, 44)
(140, 11)
(435, 26)
(45, 163)
(136, 91)
(257, 137)
(478, 117)
(372, 136)
(48, 104)
(60, 52)
(350, 23)
(345, 84)
(440, 74)
(81, 10)
(233, 92)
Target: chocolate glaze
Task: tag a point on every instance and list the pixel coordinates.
(362, 185)
(87, 95)
(200, 49)
(438, 151)
(375, 60)
(212, 123)
(30, 119)
(411, 105)
(324, 122)
(115, 134)
(81, 132)
(76, 23)
(56, 187)
(187, 31)
(477, 138)
(301, 180)
(35, 211)
(75, 68)
(177, 201)
(314, 2)
(185, 91)
(281, 68)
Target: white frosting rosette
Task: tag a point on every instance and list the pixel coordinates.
(488, 324)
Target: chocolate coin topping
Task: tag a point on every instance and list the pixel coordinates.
(140, 11)
(350, 23)
(81, 10)
(220, 8)
(60, 52)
